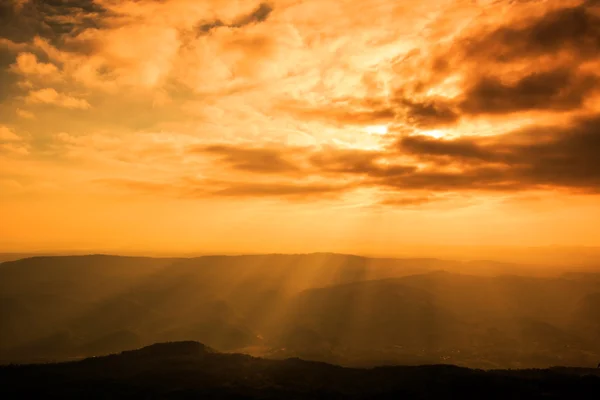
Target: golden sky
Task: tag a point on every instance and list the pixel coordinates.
(298, 125)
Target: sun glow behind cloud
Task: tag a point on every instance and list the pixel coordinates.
(434, 133)
(376, 129)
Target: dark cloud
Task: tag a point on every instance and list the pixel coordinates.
(292, 190)
(503, 72)
(260, 14)
(292, 161)
(345, 161)
(425, 146)
(206, 27)
(479, 179)
(371, 111)
(559, 157)
(57, 21)
(550, 90)
(430, 112)
(20, 25)
(561, 89)
(530, 65)
(51, 19)
(527, 159)
(408, 201)
(367, 163)
(262, 160)
(551, 158)
(575, 29)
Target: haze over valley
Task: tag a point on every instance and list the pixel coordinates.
(347, 310)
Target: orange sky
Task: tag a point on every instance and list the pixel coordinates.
(298, 125)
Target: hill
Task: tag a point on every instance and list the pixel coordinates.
(476, 321)
(347, 310)
(192, 370)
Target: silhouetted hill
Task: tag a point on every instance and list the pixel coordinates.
(192, 370)
(170, 350)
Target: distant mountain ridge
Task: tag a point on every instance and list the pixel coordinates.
(342, 309)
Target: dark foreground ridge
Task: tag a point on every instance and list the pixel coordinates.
(193, 370)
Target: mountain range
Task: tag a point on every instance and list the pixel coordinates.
(346, 310)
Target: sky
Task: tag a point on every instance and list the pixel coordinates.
(353, 126)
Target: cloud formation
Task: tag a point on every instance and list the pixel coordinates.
(527, 159)
(260, 14)
(294, 99)
(51, 96)
(260, 160)
(28, 64)
(11, 143)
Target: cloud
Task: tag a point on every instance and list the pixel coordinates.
(25, 114)
(12, 143)
(7, 135)
(543, 62)
(535, 63)
(559, 89)
(462, 148)
(28, 64)
(21, 21)
(575, 30)
(260, 14)
(260, 160)
(510, 88)
(51, 96)
(301, 191)
(532, 158)
(430, 112)
(357, 162)
(414, 201)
